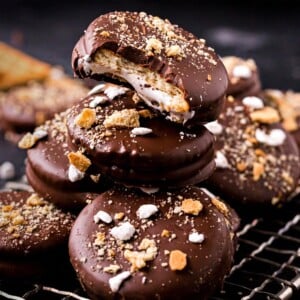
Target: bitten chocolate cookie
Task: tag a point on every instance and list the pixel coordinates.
(243, 75)
(136, 146)
(52, 168)
(257, 159)
(172, 70)
(33, 236)
(25, 107)
(288, 105)
(168, 245)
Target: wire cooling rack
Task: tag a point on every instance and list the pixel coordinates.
(267, 262)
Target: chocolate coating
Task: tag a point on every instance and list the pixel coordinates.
(48, 164)
(244, 79)
(33, 234)
(175, 55)
(207, 262)
(232, 215)
(169, 156)
(260, 164)
(66, 199)
(25, 107)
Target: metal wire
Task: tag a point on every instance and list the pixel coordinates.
(267, 264)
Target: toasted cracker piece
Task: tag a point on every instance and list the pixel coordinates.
(18, 68)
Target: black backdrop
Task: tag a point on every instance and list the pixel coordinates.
(268, 31)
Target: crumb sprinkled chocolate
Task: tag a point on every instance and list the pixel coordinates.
(170, 242)
(28, 221)
(257, 150)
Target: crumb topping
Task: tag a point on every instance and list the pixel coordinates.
(128, 118)
(86, 118)
(191, 206)
(30, 139)
(177, 260)
(267, 115)
(29, 219)
(138, 259)
(288, 105)
(79, 161)
(221, 206)
(27, 141)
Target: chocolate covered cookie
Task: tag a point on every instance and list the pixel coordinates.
(25, 107)
(33, 236)
(243, 76)
(172, 70)
(168, 245)
(257, 159)
(51, 168)
(136, 146)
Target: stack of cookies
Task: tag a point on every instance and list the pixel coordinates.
(139, 136)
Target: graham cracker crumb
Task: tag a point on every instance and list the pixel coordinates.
(177, 260)
(111, 253)
(35, 200)
(112, 269)
(267, 115)
(165, 233)
(7, 208)
(290, 124)
(78, 160)
(230, 99)
(287, 178)
(100, 239)
(27, 141)
(275, 200)
(241, 166)
(258, 170)
(191, 206)
(128, 118)
(95, 178)
(260, 152)
(18, 220)
(86, 118)
(173, 50)
(221, 207)
(104, 33)
(119, 216)
(138, 259)
(251, 139)
(153, 45)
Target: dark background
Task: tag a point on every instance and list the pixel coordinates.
(268, 31)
